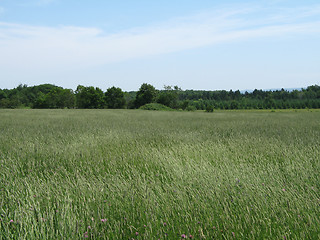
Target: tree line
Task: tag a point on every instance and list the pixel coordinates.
(51, 96)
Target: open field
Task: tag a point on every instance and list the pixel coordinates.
(122, 174)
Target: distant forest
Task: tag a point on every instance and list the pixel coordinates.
(51, 96)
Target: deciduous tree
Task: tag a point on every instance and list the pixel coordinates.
(146, 94)
(114, 98)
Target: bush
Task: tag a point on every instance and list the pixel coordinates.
(209, 108)
(191, 108)
(155, 107)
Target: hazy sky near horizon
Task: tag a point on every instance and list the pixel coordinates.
(195, 44)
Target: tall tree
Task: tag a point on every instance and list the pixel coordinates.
(169, 96)
(60, 98)
(114, 98)
(2, 94)
(146, 94)
(89, 97)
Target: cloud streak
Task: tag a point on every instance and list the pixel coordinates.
(34, 47)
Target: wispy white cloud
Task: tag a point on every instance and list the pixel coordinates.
(34, 47)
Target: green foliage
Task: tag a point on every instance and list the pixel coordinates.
(51, 96)
(155, 107)
(209, 108)
(269, 102)
(4, 103)
(234, 104)
(89, 97)
(258, 99)
(184, 104)
(44, 88)
(130, 99)
(114, 98)
(2, 94)
(41, 101)
(169, 96)
(55, 98)
(191, 108)
(146, 94)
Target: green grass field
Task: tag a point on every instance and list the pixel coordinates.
(134, 174)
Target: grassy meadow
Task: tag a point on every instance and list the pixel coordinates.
(134, 174)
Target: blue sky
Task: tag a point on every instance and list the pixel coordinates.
(195, 44)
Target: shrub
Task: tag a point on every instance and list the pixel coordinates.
(155, 107)
(191, 108)
(209, 108)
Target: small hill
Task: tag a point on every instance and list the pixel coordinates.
(155, 107)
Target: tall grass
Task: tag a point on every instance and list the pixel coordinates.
(108, 174)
